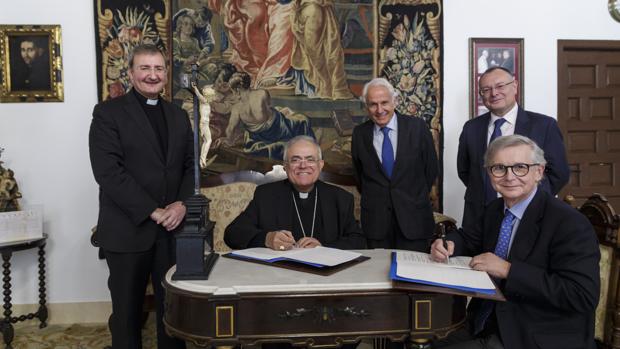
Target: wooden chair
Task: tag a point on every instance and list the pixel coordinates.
(606, 223)
(230, 193)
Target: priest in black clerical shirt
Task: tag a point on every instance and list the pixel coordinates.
(300, 211)
(141, 152)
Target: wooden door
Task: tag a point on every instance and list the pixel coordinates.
(589, 117)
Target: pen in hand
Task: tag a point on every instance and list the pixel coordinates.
(442, 236)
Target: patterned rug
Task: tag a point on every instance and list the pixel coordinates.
(89, 336)
(76, 336)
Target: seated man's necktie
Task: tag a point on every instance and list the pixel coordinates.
(501, 250)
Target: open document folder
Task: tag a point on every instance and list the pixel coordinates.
(318, 257)
(418, 267)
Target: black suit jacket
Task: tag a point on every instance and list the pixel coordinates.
(133, 174)
(552, 288)
(407, 193)
(540, 128)
(272, 209)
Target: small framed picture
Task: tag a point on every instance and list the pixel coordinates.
(31, 63)
(485, 53)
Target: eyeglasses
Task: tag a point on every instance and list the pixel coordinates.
(148, 69)
(296, 161)
(518, 170)
(485, 91)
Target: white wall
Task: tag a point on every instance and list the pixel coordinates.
(47, 147)
(46, 143)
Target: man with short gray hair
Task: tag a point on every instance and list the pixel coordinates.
(542, 253)
(395, 165)
(300, 211)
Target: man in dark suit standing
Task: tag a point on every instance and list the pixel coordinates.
(543, 254)
(395, 165)
(498, 89)
(300, 211)
(141, 151)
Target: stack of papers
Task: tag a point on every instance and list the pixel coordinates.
(418, 267)
(317, 257)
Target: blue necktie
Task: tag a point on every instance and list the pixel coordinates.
(501, 250)
(505, 232)
(387, 152)
(489, 193)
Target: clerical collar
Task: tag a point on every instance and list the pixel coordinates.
(145, 100)
(303, 195)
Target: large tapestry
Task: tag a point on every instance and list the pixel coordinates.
(120, 25)
(269, 70)
(410, 56)
(279, 68)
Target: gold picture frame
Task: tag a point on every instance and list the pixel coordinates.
(31, 63)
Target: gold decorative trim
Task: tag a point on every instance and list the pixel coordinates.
(428, 304)
(230, 310)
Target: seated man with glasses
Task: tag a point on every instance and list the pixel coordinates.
(300, 211)
(498, 90)
(542, 253)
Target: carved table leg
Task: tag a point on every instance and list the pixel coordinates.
(42, 312)
(6, 326)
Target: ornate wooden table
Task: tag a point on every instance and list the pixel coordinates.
(247, 303)
(7, 249)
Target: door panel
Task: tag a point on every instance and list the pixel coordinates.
(589, 117)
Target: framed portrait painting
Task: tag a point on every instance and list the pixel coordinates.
(31, 63)
(485, 53)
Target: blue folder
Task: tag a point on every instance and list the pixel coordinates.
(279, 259)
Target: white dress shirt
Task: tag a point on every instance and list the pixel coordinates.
(508, 128)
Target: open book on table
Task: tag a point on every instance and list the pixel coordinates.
(455, 276)
(319, 260)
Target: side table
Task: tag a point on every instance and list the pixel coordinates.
(6, 250)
